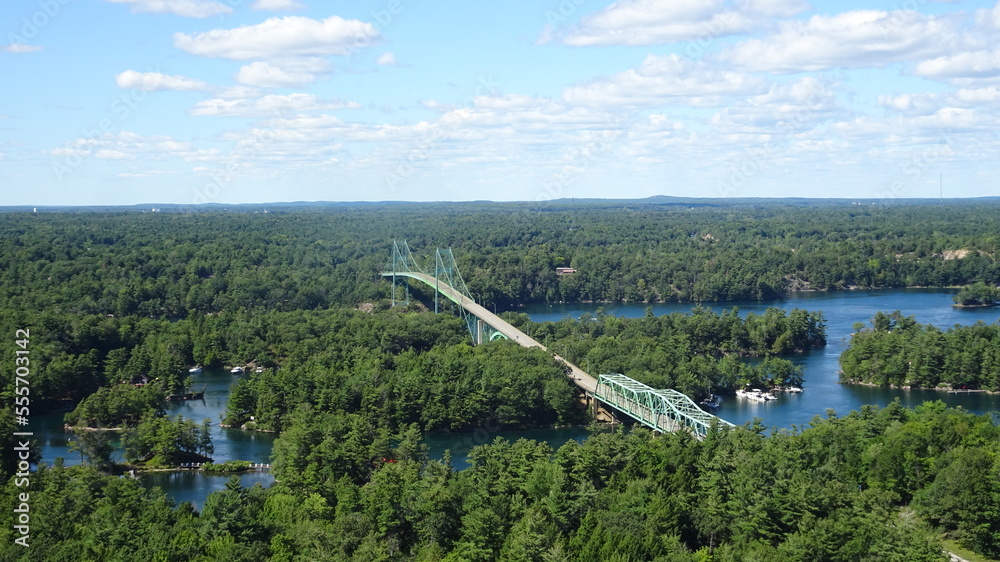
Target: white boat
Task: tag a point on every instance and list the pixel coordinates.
(794, 389)
(236, 370)
(755, 394)
(259, 370)
(712, 402)
(195, 370)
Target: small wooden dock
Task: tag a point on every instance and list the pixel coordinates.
(198, 465)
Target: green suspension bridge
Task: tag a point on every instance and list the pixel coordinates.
(662, 410)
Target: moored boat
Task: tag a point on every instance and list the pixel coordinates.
(195, 370)
(755, 394)
(713, 401)
(236, 370)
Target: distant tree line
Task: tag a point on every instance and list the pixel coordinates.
(176, 264)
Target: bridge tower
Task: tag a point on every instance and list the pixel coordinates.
(400, 262)
(401, 267)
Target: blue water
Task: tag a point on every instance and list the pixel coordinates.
(822, 389)
(230, 444)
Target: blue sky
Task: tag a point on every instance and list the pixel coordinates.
(239, 101)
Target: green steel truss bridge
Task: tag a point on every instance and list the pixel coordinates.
(661, 410)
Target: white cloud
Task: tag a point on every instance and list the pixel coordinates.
(185, 8)
(990, 18)
(855, 39)
(774, 8)
(290, 36)
(286, 74)
(126, 145)
(978, 96)
(943, 123)
(926, 103)
(970, 64)
(235, 92)
(271, 105)
(145, 173)
(911, 104)
(651, 22)
(665, 80)
(114, 155)
(785, 109)
(19, 48)
(386, 59)
(276, 5)
(154, 81)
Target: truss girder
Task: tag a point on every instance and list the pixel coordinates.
(663, 410)
(402, 265)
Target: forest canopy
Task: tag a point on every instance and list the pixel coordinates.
(118, 298)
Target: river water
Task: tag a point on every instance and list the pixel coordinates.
(230, 444)
(822, 390)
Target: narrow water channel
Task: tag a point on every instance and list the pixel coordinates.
(822, 390)
(822, 368)
(230, 444)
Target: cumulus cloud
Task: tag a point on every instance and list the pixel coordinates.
(784, 109)
(651, 22)
(235, 92)
(270, 105)
(286, 74)
(126, 145)
(969, 64)
(154, 81)
(276, 5)
(913, 103)
(185, 8)
(114, 155)
(19, 48)
(144, 173)
(928, 103)
(290, 36)
(665, 80)
(854, 39)
(386, 59)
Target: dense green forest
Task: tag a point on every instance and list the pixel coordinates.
(696, 353)
(978, 294)
(878, 484)
(116, 297)
(174, 264)
(896, 350)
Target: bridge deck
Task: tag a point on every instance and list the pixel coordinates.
(663, 410)
(578, 375)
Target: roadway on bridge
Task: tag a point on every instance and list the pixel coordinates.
(576, 374)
